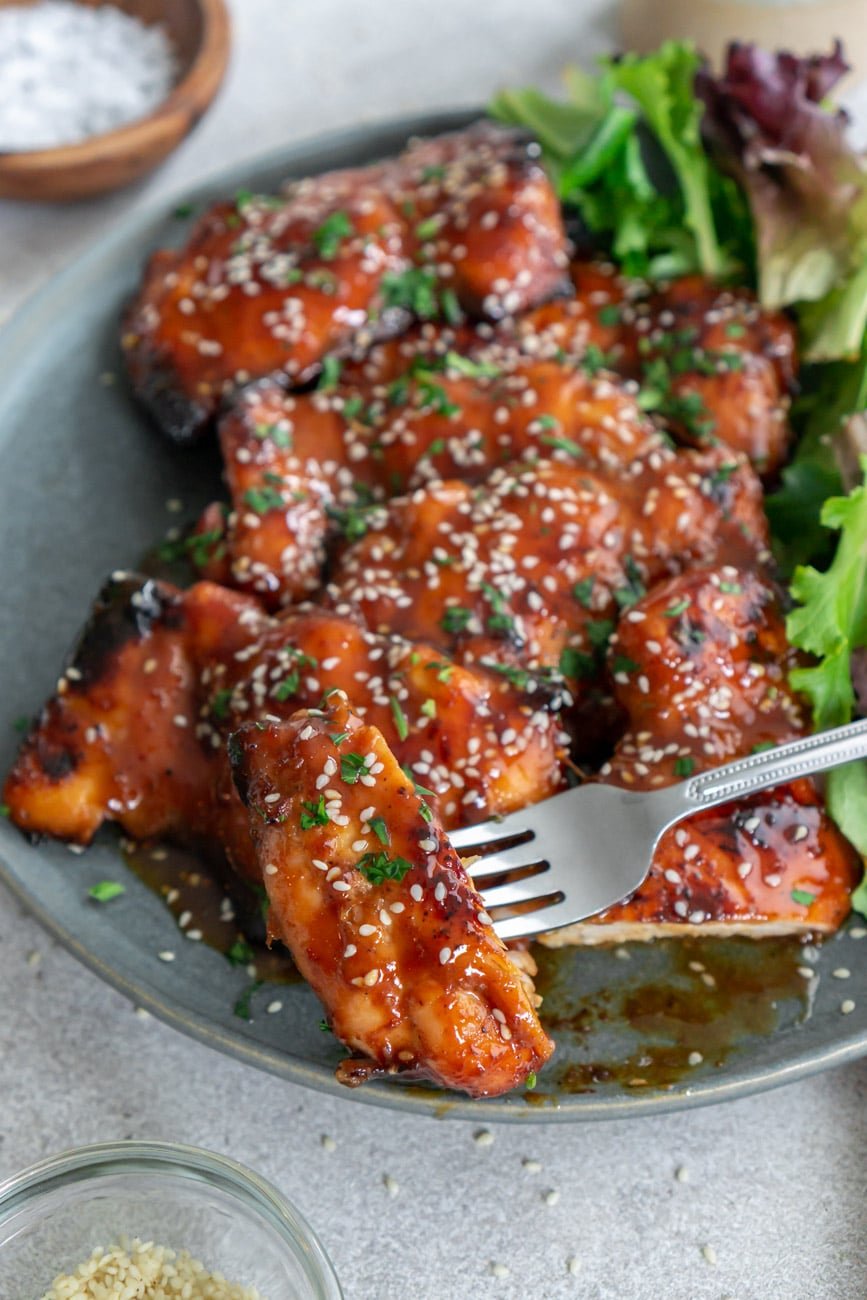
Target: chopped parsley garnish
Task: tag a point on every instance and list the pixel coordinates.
(429, 708)
(622, 664)
(548, 422)
(400, 722)
(240, 953)
(352, 766)
(352, 521)
(634, 589)
(762, 746)
(450, 307)
(331, 368)
(599, 632)
(425, 812)
(731, 588)
(279, 436)
(575, 663)
(325, 1027)
(684, 766)
(263, 499)
(723, 474)
(338, 737)
(314, 813)
(428, 228)
(443, 670)
(352, 407)
(675, 611)
(323, 280)
(21, 725)
(412, 290)
(105, 890)
(183, 210)
(242, 1007)
(220, 703)
(803, 896)
(5, 810)
(472, 369)
(455, 619)
(435, 395)
(518, 677)
(288, 687)
(433, 173)
(531, 1081)
(583, 591)
(379, 867)
(243, 198)
(419, 789)
(609, 314)
(328, 236)
(735, 330)
(380, 830)
(562, 444)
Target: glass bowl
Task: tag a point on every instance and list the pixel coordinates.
(54, 1214)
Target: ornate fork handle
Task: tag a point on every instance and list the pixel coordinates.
(775, 766)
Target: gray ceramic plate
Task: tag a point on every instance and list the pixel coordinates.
(84, 482)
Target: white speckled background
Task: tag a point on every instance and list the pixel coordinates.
(777, 1185)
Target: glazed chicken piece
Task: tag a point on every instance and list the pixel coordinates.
(377, 909)
(531, 570)
(136, 731)
(266, 285)
(702, 671)
(595, 324)
(304, 467)
(723, 368)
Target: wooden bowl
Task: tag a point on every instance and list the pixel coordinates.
(199, 31)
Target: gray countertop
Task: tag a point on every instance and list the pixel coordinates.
(754, 1200)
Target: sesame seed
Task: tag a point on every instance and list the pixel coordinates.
(484, 1138)
(551, 1197)
(532, 1166)
(273, 797)
(847, 1007)
(391, 1185)
(143, 1014)
(498, 1270)
(327, 1142)
(366, 930)
(273, 1007)
(270, 869)
(445, 955)
(681, 1174)
(709, 1254)
(841, 973)
(166, 956)
(341, 886)
(573, 1265)
(694, 1058)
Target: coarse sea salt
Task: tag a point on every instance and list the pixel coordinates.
(68, 72)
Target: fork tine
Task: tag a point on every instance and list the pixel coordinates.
(469, 837)
(494, 864)
(551, 915)
(517, 891)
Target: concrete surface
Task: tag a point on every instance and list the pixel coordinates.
(775, 1185)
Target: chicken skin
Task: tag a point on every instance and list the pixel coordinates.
(270, 284)
(700, 667)
(377, 909)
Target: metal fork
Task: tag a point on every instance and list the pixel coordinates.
(587, 848)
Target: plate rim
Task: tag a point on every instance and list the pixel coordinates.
(515, 1108)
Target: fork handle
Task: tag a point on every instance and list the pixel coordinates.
(775, 766)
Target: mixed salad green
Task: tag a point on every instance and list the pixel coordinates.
(750, 175)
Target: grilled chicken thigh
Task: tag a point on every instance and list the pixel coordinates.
(377, 910)
(136, 731)
(267, 284)
(700, 669)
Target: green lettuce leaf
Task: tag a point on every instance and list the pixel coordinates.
(830, 622)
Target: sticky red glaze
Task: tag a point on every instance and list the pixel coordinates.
(707, 683)
(274, 284)
(410, 970)
(136, 733)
